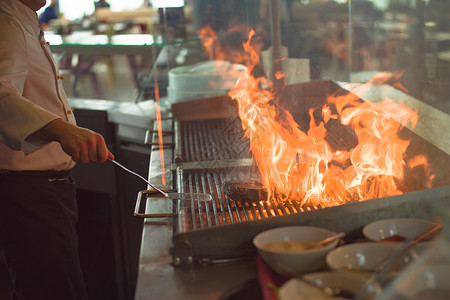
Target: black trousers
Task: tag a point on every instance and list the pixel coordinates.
(38, 237)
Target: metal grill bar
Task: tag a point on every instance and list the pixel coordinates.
(222, 210)
(207, 209)
(192, 207)
(189, 143)
(213, 140)
(232, 204)
(223, 200)
(214, 205)
(204, 138)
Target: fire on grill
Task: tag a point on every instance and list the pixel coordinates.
(311, 153)
(339, 150)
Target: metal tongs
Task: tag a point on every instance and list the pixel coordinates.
(175, 196)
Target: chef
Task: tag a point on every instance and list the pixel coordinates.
(39, 145)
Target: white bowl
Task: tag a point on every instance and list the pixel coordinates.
(295, 289)
(302, 261)
(408, 228)
(365, 258)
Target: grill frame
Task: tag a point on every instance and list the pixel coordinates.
(234, 241)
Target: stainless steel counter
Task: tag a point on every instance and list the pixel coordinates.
(157, 278)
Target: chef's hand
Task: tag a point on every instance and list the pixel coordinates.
(80, 143)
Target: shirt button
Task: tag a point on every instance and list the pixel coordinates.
(69, 112)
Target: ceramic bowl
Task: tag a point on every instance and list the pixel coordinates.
(366, 258)
(300, 261)
(394, 231)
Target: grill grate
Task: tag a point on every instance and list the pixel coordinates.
(198, 215)
(209, 142)
(212, 140)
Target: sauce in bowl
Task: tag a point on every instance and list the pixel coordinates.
(394, 238)
(292, 246)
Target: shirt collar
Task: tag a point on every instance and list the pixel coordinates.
(26, 15)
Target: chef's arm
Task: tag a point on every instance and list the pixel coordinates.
(82, 144)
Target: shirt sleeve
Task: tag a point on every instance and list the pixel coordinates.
(19, 117)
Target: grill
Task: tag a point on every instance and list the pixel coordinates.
(210, 149)
(209, 159)
(215, 151)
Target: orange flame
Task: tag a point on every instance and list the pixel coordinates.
(295, 165)
(421, 161)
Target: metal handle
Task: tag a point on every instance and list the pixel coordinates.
(144, 215)
(173, 196)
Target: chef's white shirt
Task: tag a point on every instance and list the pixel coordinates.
(31, 93)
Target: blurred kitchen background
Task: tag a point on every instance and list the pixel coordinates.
(343, 40)
(117, 60)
